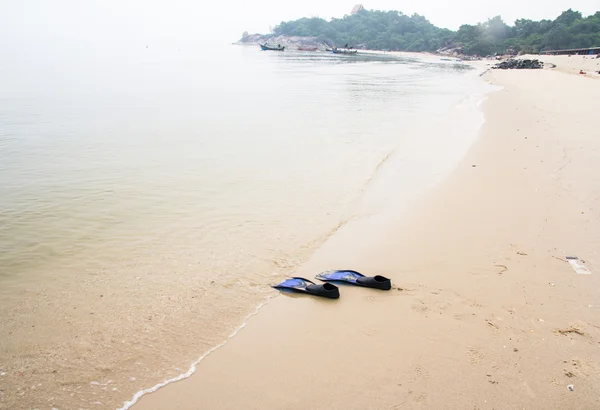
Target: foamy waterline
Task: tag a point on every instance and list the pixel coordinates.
(136, 397)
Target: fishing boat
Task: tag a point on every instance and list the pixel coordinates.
(307, 48)
(265, 47)
(343, 51)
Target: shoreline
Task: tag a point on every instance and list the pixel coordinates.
(140, 317)
(368, 206)
(471, 302)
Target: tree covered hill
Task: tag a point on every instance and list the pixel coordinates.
(393, 30)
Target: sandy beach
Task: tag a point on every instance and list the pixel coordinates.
(485, 313)
(590, 65)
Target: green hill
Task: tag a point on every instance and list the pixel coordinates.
(393, 30)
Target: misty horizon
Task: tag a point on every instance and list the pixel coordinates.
(37, 25)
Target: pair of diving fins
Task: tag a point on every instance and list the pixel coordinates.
(328, 289)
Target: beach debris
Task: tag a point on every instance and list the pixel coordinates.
(490, 379)
(495, 326)
(571, 387)
(569, 374)
(582, 72)
(504, 269)
(519, 64)
(578, 265)
(570, 330)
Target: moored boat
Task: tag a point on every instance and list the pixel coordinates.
(343, 51)
(265, 47)
(307, 48)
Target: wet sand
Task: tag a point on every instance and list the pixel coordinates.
(485, 312)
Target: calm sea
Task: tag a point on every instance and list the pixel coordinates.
(147, 202)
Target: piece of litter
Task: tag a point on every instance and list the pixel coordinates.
(571, 330)
(578, 266)
(541, 320)
(571, 387)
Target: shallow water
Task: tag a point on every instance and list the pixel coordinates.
(146, 204)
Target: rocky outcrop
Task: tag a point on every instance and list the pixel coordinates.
(290, 42)
(519, 64)
(253, 38)
(455, 50)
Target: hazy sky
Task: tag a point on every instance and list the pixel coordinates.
(42, 24)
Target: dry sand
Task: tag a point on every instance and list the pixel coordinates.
(573, 64)
(485, 312)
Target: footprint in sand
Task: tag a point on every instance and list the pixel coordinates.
(420, 398)
(420, 373)
(473, 303)
(475, 355)
(420, 307)
(417, 397)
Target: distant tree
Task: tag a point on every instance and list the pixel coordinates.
(568, 17)
(497, 29)
(394, 30)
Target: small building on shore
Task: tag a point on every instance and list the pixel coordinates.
(573, 51)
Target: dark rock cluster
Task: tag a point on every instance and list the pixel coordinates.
(519, 64)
